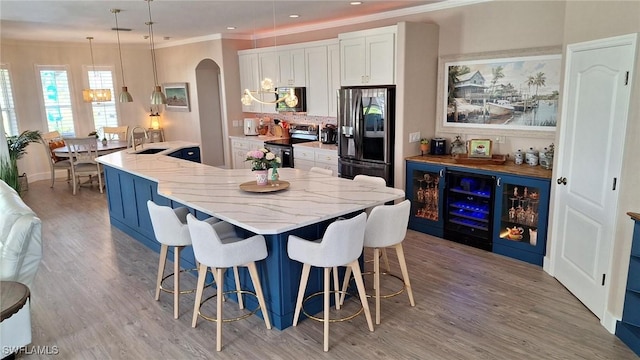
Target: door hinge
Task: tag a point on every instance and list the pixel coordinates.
(603, 276)
(626, 79)
(615, 181)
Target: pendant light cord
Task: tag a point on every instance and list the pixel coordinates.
(153, 50)
(119, 49)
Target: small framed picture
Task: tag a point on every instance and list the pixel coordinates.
(480, 148)
(177, 96)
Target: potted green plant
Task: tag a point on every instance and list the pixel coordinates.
(424, 145)
(17, 145)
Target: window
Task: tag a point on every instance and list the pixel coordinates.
(9, 120)
(104, 113)
(57, 99)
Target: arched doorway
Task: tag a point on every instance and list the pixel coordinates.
(210, 112)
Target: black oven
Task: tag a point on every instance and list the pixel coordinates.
(283, 147)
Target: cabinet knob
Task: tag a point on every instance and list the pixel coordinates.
(562, 181)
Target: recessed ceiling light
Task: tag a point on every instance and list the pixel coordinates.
(356, 3)
(293, 16)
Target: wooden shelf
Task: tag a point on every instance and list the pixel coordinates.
(509, 167)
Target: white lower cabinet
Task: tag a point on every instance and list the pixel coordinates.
(239, 149)
(305, 158)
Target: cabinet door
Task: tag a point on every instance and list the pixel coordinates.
(425, 188)
(380, 59)
(250, 78)
(317, 76)
(269, 68)
(520, 218)
(297, 71)
(352, 61)
(333, 56)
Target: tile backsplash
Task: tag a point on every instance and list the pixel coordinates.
(299, 118)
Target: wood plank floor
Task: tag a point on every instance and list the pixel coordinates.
(93, 298)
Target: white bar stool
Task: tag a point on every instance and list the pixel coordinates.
(170, 228)
(217, 246)
(386, 227)
(341, 245)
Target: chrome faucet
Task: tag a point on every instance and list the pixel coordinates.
(133, 138)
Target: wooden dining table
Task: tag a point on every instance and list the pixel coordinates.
(111, 146)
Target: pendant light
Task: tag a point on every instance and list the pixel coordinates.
(95, 95)
(266, 85)
(124, 94)
(157, 97)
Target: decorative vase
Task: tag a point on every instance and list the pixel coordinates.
(261, 177)
(274, 174)
(424, 148)
(104, 142)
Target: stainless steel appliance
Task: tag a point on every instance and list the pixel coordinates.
(366, 132)
(300, 93)
(328, 134)
(251, 126)
(298, 133)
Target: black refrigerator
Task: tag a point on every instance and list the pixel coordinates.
(366, 131)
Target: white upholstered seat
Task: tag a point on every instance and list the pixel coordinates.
(170, 229)
(320, 170)
(218, 246)
(341, 245)
(387, 227)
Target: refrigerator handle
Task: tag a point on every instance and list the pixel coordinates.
(357, 134)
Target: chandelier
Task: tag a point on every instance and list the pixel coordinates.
(124, 95)
(157, 97)
(266, 85)
(95, 95)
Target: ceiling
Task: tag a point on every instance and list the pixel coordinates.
(176, 21)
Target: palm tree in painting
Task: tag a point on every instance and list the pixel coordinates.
(498, 74)
(540, 80)
(531, 80)
(454, 73)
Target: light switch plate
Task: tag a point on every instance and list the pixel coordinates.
(414, 137)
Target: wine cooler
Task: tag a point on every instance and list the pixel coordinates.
(469, 209)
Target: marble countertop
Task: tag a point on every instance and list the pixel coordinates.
(318, 146)
(310, 198)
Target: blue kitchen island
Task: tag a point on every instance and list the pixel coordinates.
(306, 208)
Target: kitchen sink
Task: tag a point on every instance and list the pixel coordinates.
(150, 151)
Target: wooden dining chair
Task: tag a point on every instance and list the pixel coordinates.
(116, 132)
(82, 154)
(51, 141)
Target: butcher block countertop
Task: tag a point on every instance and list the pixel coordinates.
(509, 167)
(634, 216)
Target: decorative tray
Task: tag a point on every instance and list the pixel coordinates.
(495, 159)
(252, 186)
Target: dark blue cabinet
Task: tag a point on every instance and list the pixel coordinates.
(520, 217)
(191, 154)
(425, 187)
(520, 207)
(628, 329)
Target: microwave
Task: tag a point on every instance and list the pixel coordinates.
(300, 92)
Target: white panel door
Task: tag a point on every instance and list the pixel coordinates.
(597, 89)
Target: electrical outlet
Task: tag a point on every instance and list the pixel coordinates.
(414, 137)
(500, 139)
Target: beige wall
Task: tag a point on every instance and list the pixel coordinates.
(22, 58)
(584, 21)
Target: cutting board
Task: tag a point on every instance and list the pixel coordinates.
(278, 131)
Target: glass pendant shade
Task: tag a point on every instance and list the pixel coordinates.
(125, 96)
(157, 97)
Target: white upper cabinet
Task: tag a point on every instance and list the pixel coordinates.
(368, 57)
(323, 79)
(333, 52)
(291, 68)
(269, 68)
(249, 78)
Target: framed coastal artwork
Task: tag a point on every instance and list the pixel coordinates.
(500, 92)
(177, 96)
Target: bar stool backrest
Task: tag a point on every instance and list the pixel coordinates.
(387, 225)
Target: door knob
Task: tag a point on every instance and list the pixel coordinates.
(562, 181)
